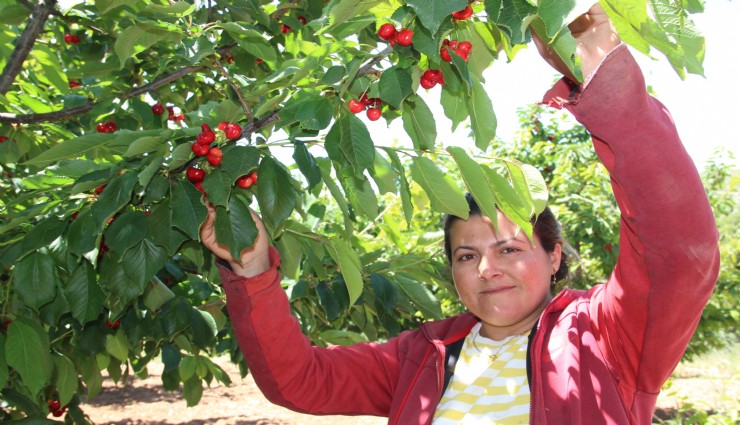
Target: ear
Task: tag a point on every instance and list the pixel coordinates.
(555, 256)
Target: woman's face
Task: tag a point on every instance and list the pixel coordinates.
(502, 278)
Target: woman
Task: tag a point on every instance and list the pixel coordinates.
(521, 354)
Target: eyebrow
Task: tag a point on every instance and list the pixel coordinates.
(494, 245)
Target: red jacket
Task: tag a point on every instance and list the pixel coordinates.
(597, 356)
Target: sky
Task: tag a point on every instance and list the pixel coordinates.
(704, 108)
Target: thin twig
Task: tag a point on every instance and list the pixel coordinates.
(246, 108)
(25, 43)
(368, 67)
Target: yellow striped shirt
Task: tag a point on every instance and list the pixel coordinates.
(485, 392)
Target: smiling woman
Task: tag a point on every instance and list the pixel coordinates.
(521, 353)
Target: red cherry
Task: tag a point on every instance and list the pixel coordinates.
(285, 29)
(58, 413)
(206, 138)
(111, 127)
(427, 83)
(465, 46)
(178, 117)
(5, 324)
(195, 174)
(463, 54)
(464, 14)
(433, 75)
(253, 176)
(355, 106)
(199, 186)
(214, 157)
(303, 20)
(387, 32)
(245, 182)
(444, 53)
(100, 188)
(222, 125)
(102, 128)
(205, 128)
(3, 138)
(373, 114)
(200, 149)
(233, 131)
(71, 39)
(54, 405)
(405, 37)
(258, 61)
(112, 325)
(158, 109)
(608, 247)
(73, 84)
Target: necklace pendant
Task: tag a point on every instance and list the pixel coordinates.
(493, 357)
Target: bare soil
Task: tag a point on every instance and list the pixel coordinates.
(144, 402)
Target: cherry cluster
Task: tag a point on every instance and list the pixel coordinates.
(55, 407)
(461, 49)
(71, 39)
(431, 78)
(107, 127)
(3, 138)
(372, 104)
(112, 325)
(158, 109)
(206, 145)
(403, 37)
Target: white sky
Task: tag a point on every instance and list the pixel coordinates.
(704, 108)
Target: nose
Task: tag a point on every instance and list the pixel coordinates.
(488, 267)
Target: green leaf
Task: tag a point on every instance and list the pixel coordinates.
(431, 13)
(529, 184)
(204, 328)
(361, 194)
(188, 211)
(156, 294)
(404, 190)
(65, 378)
(36, 279)
(315, 113)
(557, 14)
(482, 117)
(4, 371)
(142, 261)
(441, 190)
(218, 186)
(395, 85)
(291, 251)
(192, 390)
(177, 9)
(422, 297)
(454, 106)
(307, 164)
(187, 367)
(384, 175)
(276, 194)
(27, 351)
(341, 11)
(418, 121)
(235, 228)
(476, 181)
(125, 231)
(350, 135)
(117, 346)
(143, 145)
(84, 295)
(136, 39)
(337, 194)
(509, 201)
(115, 196)
(42, 235)
(239, 161)
(564, 45)
(91, 375)
(349, 265)
(253, 42)
(513, 18)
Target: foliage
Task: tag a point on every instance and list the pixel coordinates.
(101, 265)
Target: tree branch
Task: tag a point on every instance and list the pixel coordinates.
(25, 43)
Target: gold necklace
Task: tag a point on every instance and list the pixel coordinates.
(493, 357)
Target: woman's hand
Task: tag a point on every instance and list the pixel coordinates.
(595, 37)
(254, 260)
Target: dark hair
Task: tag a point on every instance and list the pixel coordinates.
(545, 226)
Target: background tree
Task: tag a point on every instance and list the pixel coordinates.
(119, 117)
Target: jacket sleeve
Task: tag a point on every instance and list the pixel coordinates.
(668, 261)
(352, 380)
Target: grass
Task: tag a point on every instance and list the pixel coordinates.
(703, 391)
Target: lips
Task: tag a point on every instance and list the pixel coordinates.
(497, 289)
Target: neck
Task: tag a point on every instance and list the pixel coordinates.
(499, 332)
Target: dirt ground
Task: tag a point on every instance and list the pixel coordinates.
(144, 402)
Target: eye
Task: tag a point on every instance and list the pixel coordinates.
(509, 250)
(465, 257)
